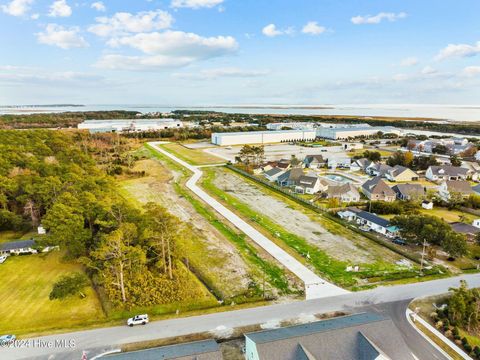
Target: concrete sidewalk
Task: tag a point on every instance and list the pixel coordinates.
(315, 286)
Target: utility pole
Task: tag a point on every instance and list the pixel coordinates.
(263, 286)
(423, 254)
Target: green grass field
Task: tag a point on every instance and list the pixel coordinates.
(26, 282)
(192, 156)
(7, 236)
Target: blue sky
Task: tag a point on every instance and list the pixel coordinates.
(209, 52)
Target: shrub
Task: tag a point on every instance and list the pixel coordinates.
(448, 333)
(69, 285)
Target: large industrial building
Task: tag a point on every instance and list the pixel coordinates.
(348, 131)
(262, 137)
(290, 125)
(129, 125)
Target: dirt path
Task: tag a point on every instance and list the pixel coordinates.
(213, 253)
(356, 250)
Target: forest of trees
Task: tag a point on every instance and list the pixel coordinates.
(50, 177)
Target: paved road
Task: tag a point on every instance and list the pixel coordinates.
(315, 286)
(113, 337)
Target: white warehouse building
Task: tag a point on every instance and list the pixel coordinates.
(129, 125)
(338, 133)
(262, 137)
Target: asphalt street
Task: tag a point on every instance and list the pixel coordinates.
(97, 340)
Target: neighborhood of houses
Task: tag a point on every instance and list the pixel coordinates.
(355, 182)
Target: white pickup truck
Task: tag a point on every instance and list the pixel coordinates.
(2, 259)
(138, 320)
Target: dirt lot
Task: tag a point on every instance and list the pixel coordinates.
(209, 251)
(311, 227)
(278, 151)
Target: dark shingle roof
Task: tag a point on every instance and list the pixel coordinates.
(205, 350)
(378, 186)
(15, 245)
(409, 189)
(273, 171)
(464, 228)
(373, 218)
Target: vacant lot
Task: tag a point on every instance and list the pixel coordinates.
(209, 253)
(26, 282)
(192, 156)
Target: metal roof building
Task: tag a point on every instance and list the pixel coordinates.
(198, 350)
(366, 336)
(262, 137)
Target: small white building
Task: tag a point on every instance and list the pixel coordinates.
(428, 205)
(476, 223)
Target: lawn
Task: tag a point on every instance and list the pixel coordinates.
(7, 236)
(449, 215)
(192, 156)
(24, 289)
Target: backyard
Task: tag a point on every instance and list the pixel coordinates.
(25, 306)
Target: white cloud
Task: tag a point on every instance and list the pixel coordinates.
(123, 23)
(212, 74)
(35, 16)
(167, 49)
(376, 19)
(65, 38)
(459, 50)
(471, 71)
(195, 4)
(313, 28)
(409, 61)
(271, 31)
(428, 70)
(60, 8)
(17, 7)
(99, 6)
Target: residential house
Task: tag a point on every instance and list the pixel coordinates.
(308, 184)
(376, 223)
(345, 193)
(360, 336)
(448, 188)
(376, 189)
(468, 230)
(18, 247)
(446, 172)
(360, 164)
(339, 162)
(290, 177)
(284, 164)
(273, 174)
(314, 161)
(409, 191)
(401, 173)
(349, 214)
(476, 223)
(378, 169)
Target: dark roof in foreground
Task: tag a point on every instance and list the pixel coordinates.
(357, 337)
(464, 228)
(15, 245)
(373, 218)
(198, 350)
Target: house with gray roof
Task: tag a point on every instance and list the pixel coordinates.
(409, 191)
(376, 189)
(375, 223)
(401, 173)
(273, 174)
(18, 247)
(290, 177)
(468, 230)
(449, 188)
(355, 337)
(198, 350)
(345, 193)
(378, 169)
(314, 161)
(447, 172)
(360, 164)
(308, 184)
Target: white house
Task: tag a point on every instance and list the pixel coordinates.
(448, 188)
(273, 174)
(308, 185)
(339, 162)
(446, 172)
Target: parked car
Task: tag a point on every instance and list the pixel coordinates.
(399, 241)
(7, 340)
(2, 259)
(138, 320)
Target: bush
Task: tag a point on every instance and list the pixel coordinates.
(69, 285)
(468, 348)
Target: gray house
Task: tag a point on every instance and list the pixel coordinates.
(314, 161)
(18, 247)
(377, 190)
(409, 191)
(290, 177)
(365, 336)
